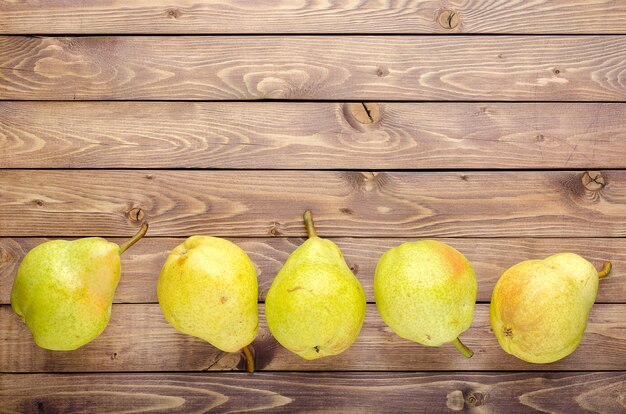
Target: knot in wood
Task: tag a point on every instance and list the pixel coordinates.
(370, 181)
(593, 180)
(347, 211)
(369, 175)
(173, 13)
(381, 72)
(136, 214)
(5, 256)
(363, 113)
(274, 230)
(475, 399)
(448, 19)
(362, 116)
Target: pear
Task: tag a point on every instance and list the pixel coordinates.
(208, 289)
(64, 289)
(315, 306)
(539, 308)
(425, 291)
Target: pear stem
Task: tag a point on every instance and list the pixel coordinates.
(308, 223)
(142, 232)
(249, 358)
(606, 269)
(465, 351)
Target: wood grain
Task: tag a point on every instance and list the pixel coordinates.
(490, 257)
(286, 135)
(496, 218)
(271, 203)
(474, 68)
(309, 16)
(566, 393)
(139, 339)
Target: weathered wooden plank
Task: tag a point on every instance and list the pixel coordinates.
(284, 16)
(139, 339)
(490, 257)
(285, 135)
(314, 67)
(262, 203)
(601, 392)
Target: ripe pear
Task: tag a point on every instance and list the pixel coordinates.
(539, 308)
(315, 306)
(425, 291)
(64, 289)
(208, 289)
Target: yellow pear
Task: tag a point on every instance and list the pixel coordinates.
(425, 291)
(539, 308)
(315, 306)
(64, 289)
(208, 289)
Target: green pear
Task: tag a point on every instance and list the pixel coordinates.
(315, 306)
(208, 289)
(539, 308)
(64, 289)
(425, 291)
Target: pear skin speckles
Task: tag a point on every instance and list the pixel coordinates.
(315, 306)
(539, 308)
(63, 291)
(208, 289)
(425, 291)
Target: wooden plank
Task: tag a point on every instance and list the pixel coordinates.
(311, 392)
(284, 16)
(534, 68)
(139, 339)
(286, 135)
(346, 203)
(490, 257)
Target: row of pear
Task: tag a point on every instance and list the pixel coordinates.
(424, 290)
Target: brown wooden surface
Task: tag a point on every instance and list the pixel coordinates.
(309, 16)
(490, 257)
(565, 393)
(271, 203)
(541, 172)
(311, 135)
(139, 338)
(565, 68)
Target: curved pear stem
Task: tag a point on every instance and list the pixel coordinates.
(606, 269)
(142, 232)
(465, 351)
(249, 358)
(308, 223)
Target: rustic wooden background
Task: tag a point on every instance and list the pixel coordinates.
(496, 126)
